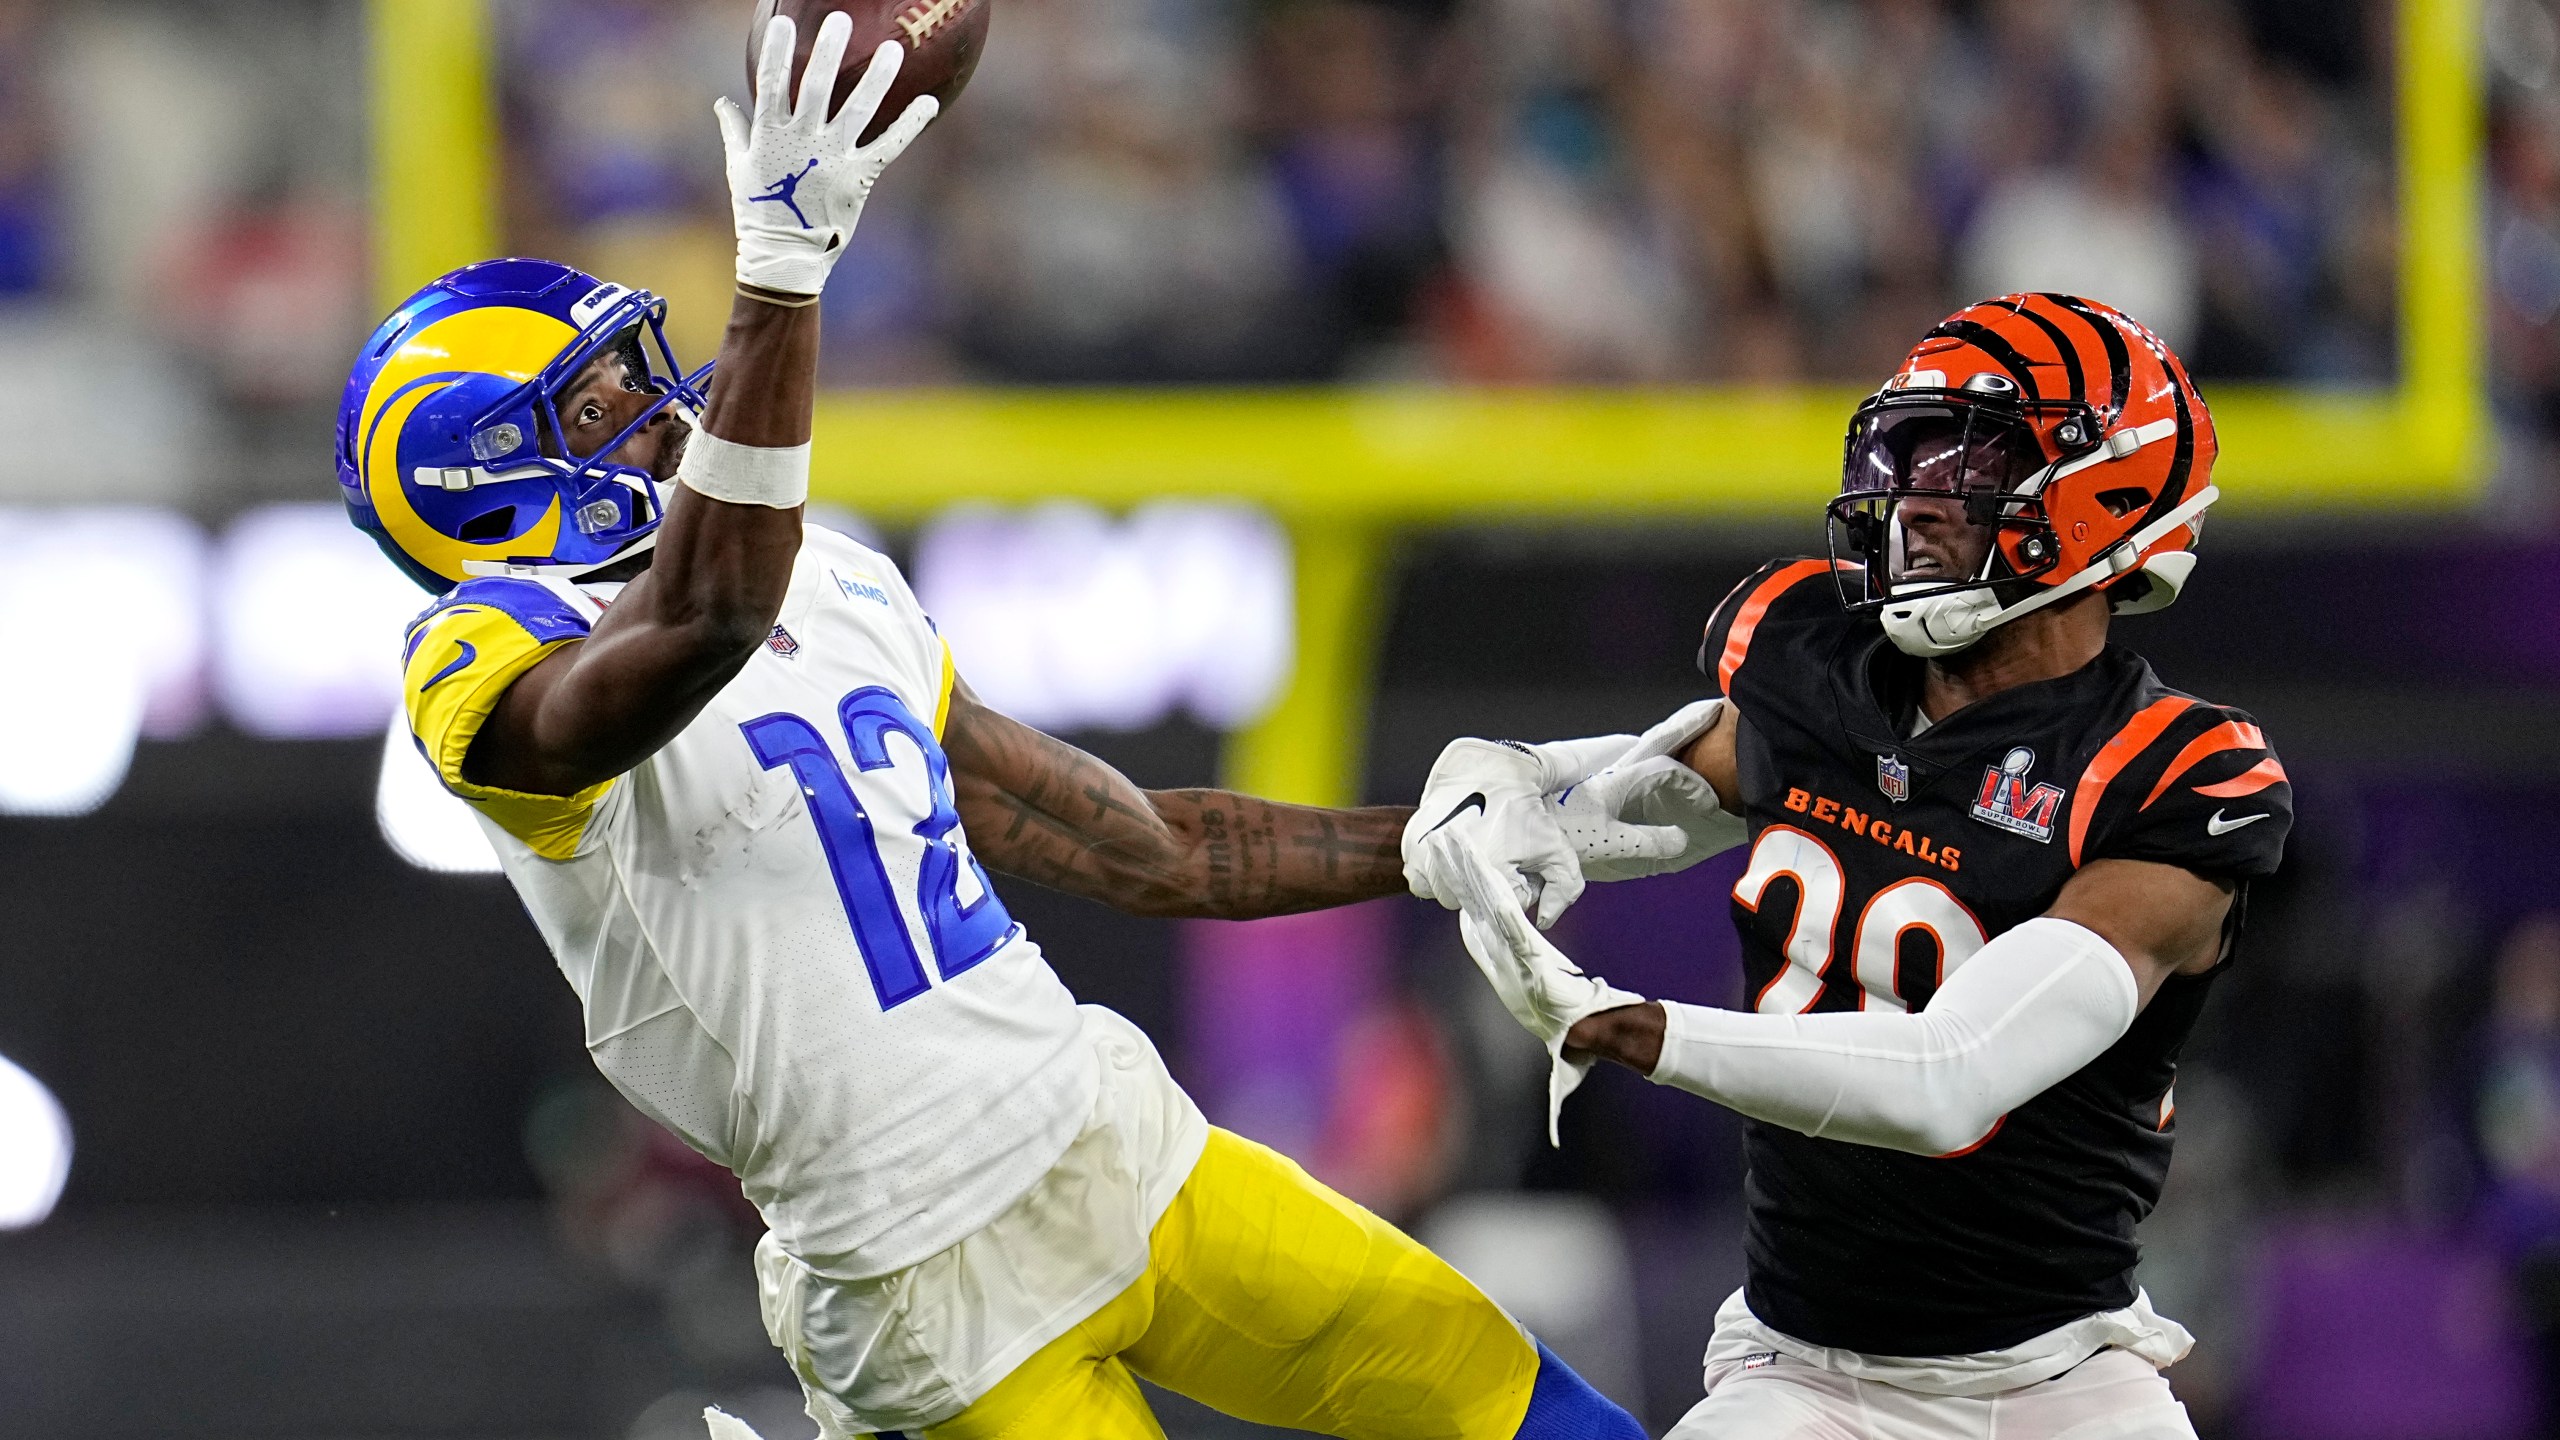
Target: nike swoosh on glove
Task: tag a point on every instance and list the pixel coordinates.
(1494, 794)
(1505, 796)
(1543, 989)
(797, 180)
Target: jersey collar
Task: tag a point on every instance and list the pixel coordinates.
(1877, 689)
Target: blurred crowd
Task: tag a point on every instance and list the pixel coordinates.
(1528, 190)
(182, 244)
(2523, 243)
(1191, 191)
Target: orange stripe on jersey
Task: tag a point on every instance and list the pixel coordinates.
(2248, 782)
(1737, 636)
(2112, 757)
(2230, 735)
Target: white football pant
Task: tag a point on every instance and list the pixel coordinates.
(2112, 1395)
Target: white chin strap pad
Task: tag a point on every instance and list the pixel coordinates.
(1931, 625)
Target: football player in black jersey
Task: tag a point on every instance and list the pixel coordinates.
(1995, 866)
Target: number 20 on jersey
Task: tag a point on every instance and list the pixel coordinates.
(1915, 903)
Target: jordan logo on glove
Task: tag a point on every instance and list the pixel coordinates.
(786, 192)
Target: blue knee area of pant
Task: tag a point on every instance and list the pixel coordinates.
(1563, 1406)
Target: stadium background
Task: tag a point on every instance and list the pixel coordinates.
(1266, 391)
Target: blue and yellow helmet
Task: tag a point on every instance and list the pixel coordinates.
(449, 439)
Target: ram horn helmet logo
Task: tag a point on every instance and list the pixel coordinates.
(1893, 778)
(2008, 802)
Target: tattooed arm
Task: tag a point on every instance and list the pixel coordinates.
(1041, 809)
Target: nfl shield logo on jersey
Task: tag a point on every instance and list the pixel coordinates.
(1893, 778)
(781, 643)
(2007, 802)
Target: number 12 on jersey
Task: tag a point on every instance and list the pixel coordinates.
(962, 935)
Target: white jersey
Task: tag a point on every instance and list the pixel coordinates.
(785, 952)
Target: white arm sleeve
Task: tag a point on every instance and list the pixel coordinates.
(2026, 1012)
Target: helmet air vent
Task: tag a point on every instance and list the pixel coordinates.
(489, 525)
(2124, 500)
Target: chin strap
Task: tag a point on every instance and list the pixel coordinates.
(1942, 624)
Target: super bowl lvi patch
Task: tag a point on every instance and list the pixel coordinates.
(2006, 801)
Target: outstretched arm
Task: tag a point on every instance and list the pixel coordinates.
(2025, 1012)
(593, 709)
(1039, 808)
(678, 633)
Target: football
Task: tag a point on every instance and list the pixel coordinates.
(943, 38)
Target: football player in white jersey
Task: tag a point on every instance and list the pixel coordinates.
(730, 769)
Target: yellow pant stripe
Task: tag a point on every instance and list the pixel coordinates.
(1276, 1300)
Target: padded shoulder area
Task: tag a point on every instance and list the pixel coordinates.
(1779, 595)
(540, 610)
(2185, 782)
(460, 657)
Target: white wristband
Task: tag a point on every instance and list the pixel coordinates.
(745, 474)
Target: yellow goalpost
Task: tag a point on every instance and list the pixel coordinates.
(1344, 467)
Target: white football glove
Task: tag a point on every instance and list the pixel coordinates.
(722, 1424)
(1532, 811)
(1676, 731)
(797, 180)
(1543, 990)
(1646, 817)
(1495, 793)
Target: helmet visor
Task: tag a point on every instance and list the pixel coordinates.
(1928, 490)
(1960, 450)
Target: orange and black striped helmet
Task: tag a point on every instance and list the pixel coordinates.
(2064, 424)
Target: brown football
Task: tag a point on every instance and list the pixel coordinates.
(943, 38)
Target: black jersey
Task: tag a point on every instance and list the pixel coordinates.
(1880, 860)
